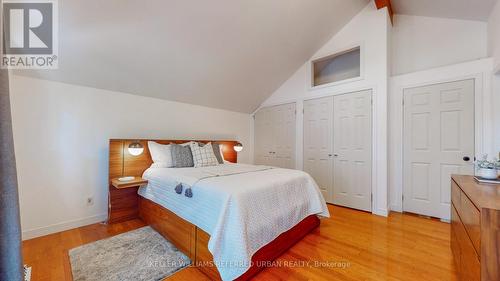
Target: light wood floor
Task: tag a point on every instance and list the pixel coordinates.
(400, 247)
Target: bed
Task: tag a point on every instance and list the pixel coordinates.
(238, 216)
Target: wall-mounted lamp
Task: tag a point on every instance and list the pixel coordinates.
(136, 148)
(238, 147)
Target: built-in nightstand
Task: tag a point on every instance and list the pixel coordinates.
(123, 203)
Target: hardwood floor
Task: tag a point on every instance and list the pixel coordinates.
(351, 245)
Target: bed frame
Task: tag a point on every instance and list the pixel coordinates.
(185, 236)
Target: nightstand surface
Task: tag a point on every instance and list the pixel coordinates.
(137, 181)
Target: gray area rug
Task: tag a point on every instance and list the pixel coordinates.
(139, 255)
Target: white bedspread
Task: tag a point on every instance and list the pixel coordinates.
(243, 209)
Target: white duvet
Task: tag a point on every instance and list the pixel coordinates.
(242, 207)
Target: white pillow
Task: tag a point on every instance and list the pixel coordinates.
(161, 155)
(203, 155)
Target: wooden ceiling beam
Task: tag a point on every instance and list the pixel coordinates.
(385, 3)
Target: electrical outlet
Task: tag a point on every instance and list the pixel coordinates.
(90, 201)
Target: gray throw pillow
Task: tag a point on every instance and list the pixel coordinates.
(218, 155)
(182, 156)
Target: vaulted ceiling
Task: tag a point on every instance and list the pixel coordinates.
(228, 54)
(458, 9)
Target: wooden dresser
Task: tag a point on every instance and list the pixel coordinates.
(475, 228)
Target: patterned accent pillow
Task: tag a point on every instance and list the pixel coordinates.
(218, 152)
(203, 155)
(182, 156)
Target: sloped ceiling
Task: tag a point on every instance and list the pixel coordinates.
(458, 9)
(228, 54)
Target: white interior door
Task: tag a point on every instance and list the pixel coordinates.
(438, 142)
(352, 143)
(318, 143)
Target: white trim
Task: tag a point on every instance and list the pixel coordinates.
(480, 71)
(395, 208)
(283, 102)
(333, 84)
(338, 93)
(337, 52)
(381, 212)
(311, 96)
(58, 227)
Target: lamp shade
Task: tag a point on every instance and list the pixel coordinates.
(238, 147)
(136, 148)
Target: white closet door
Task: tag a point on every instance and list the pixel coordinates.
(353, 150)
(278, 131)
(264, 128)
(285, 140)
(275, 136)
(261, 153)
(438, 138)
(318, 143)
(272, 134)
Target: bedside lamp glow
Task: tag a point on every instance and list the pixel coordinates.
(238, 147)
(136, 148)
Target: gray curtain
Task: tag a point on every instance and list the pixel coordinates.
(10, 230)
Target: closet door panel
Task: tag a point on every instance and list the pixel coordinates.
(275, 136)
(286, 150)
(353, 150)
(318, 142)
(268, 137)
(259, 127)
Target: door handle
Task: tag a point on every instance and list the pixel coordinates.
(466, 158)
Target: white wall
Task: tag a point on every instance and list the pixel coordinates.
(370, 28)
(494, 51)
(61, 134)
(420, 43)
(480, 71)
(494, 35)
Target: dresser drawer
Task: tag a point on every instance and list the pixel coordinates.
(469, 267)
(455, 194)
(471, 218)
(455, 244)
(475, 229)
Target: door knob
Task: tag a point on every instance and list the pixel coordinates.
(335, 155)
(466, 158)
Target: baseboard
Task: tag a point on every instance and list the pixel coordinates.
(381, 212)
(41, 231)
(396, 208)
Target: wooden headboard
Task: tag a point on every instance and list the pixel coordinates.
(122, 163)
